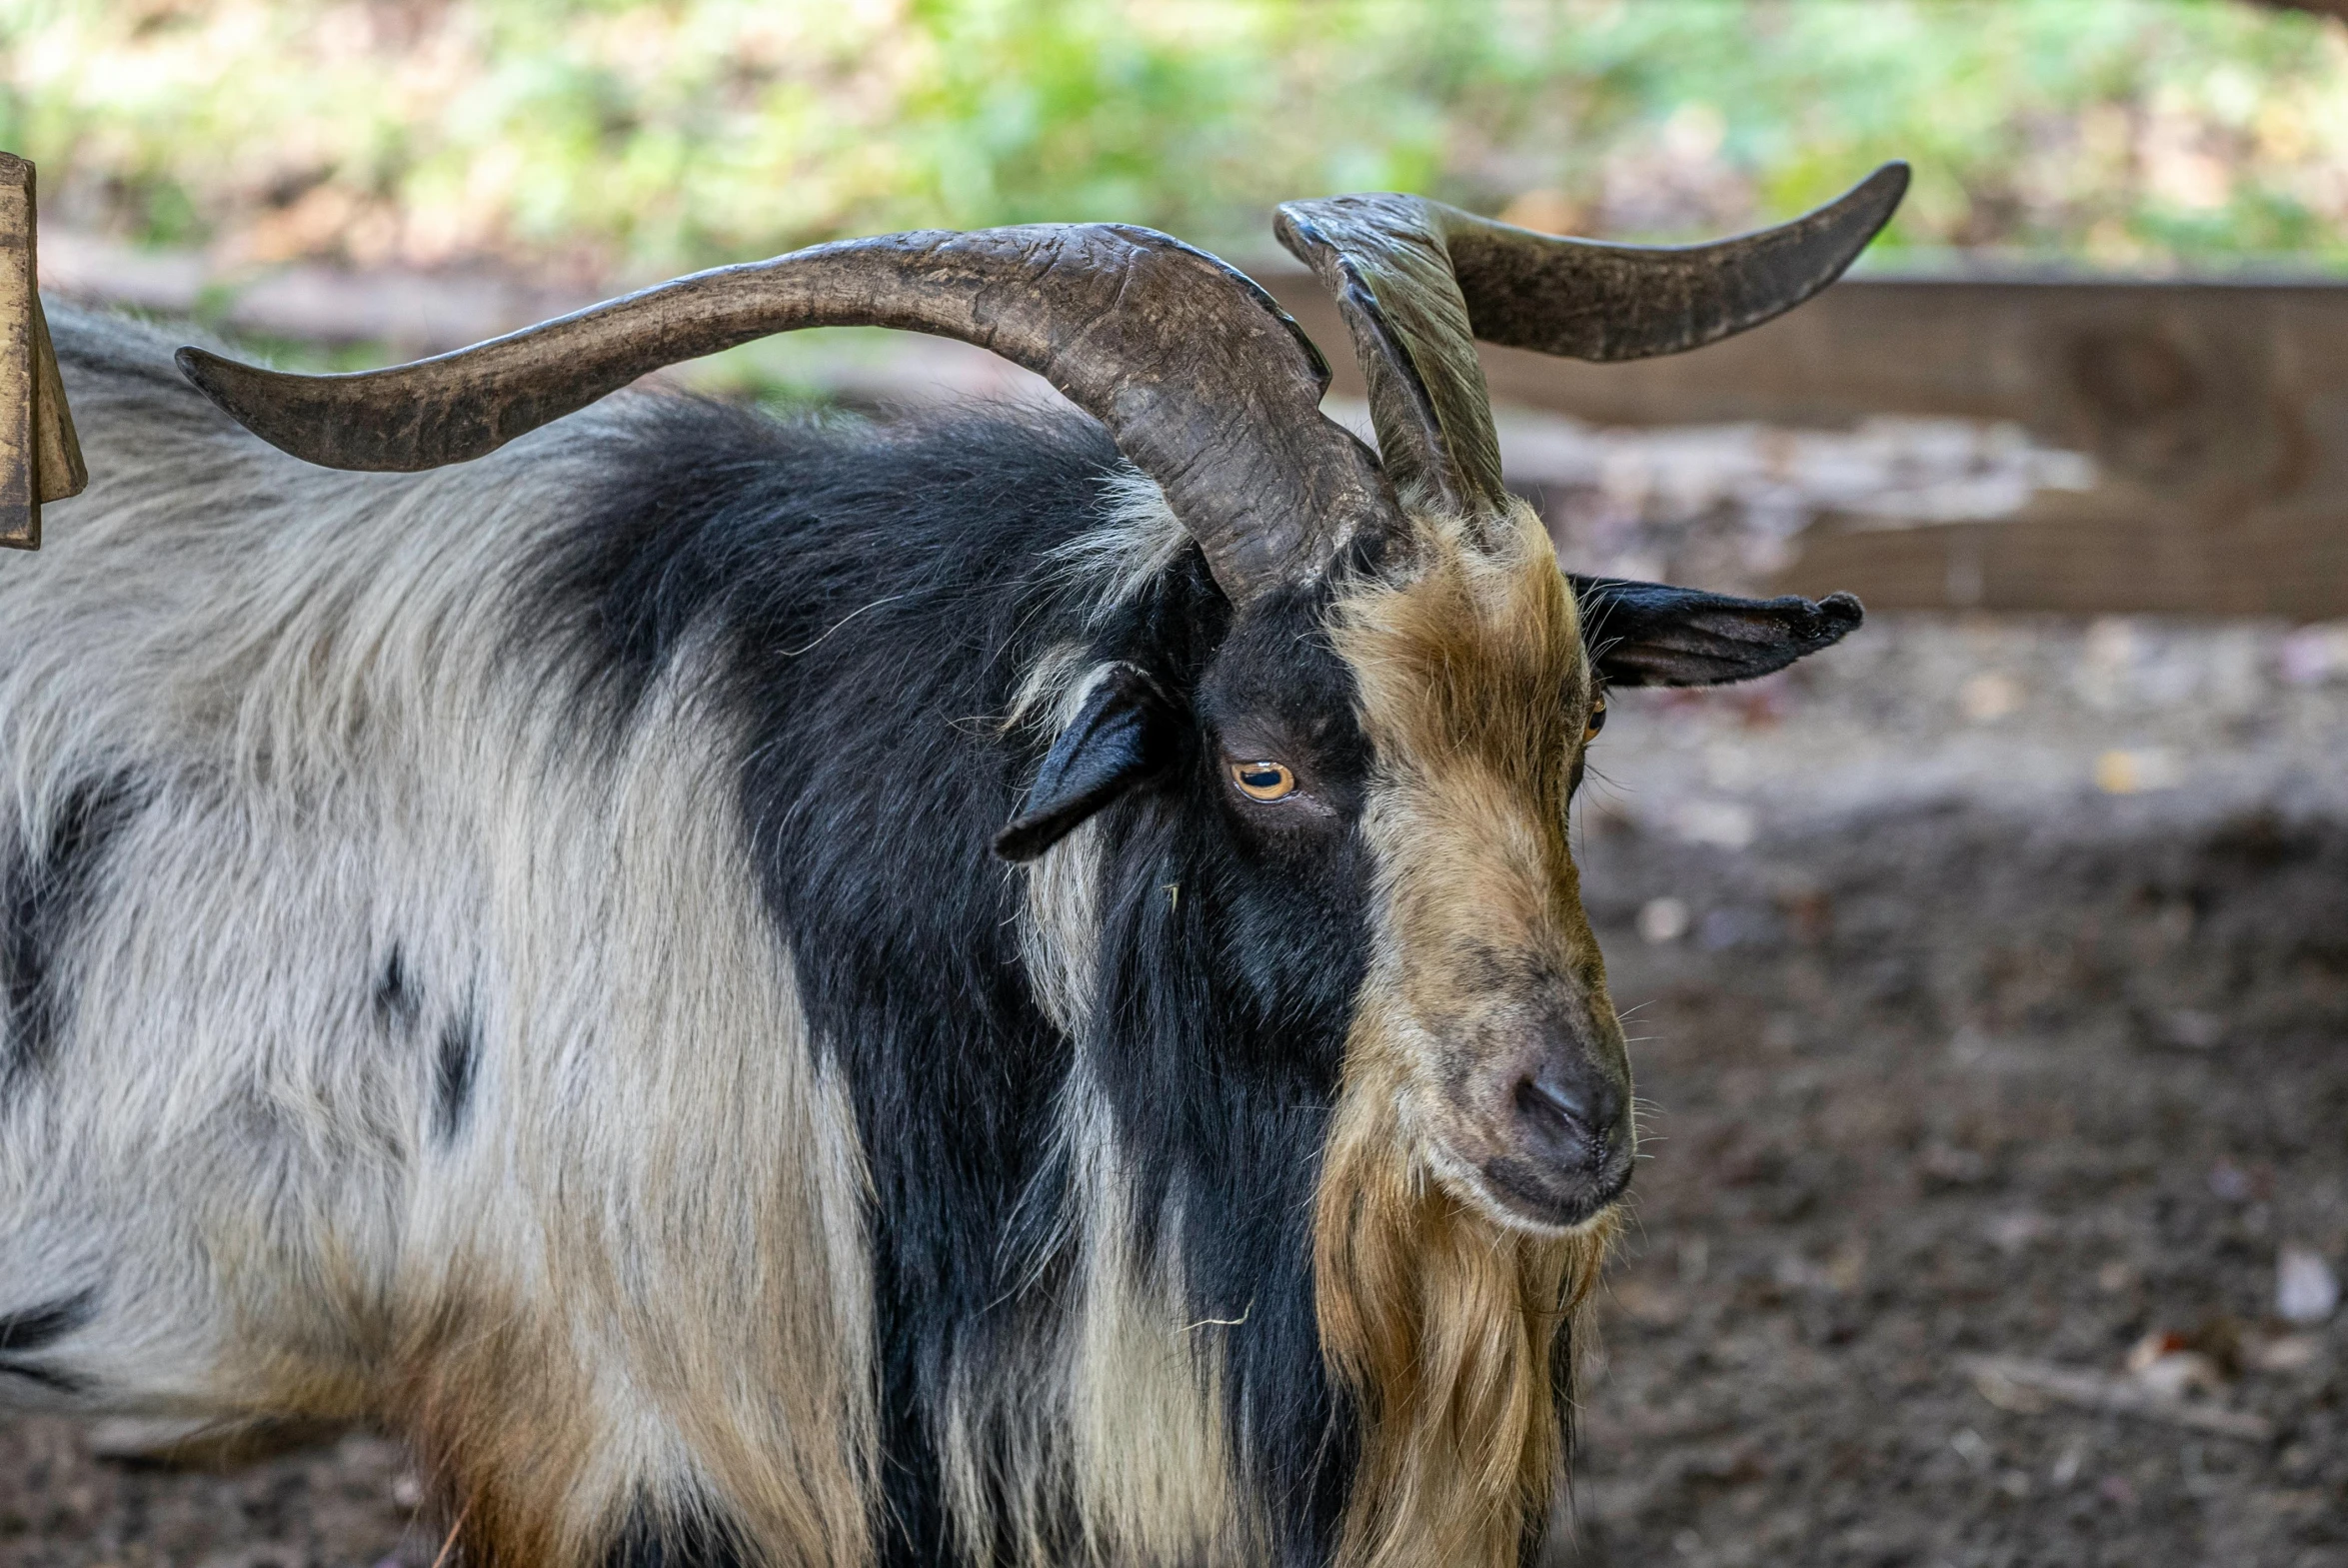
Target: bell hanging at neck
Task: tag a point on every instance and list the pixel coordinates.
(40, 461)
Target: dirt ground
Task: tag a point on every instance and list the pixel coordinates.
(1989, 984)
(2001, 1013)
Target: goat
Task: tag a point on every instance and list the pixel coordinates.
(511, 953)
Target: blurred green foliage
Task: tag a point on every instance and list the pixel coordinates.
(618, 139)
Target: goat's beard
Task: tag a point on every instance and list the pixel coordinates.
(1446, 1326)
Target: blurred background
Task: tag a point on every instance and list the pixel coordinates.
(1991, 971)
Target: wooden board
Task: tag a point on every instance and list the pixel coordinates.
(2216, 412)
(40, 459)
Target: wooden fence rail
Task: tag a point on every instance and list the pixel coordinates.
(2216, 413)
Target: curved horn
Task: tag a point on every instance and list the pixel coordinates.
(1417, 280)
(1205, 384)
(1384, 259)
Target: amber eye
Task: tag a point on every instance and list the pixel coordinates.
(1598, 720)
(1263, 780)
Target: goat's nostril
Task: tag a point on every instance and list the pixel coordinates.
(1546, 1095)
(1577, 1113)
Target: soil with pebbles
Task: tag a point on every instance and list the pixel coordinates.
(1990, 981)
(1994, 987)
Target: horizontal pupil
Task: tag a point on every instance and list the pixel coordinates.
(1261, 777)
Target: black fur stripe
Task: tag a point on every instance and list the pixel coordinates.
(452, 1069)
(36, 1328)
(43, 898)
(872, 589)
(875, 591)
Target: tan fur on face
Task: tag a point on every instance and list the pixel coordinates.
(1438, 1308)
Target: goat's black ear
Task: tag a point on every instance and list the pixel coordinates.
(1650, 634)
(1122, 735)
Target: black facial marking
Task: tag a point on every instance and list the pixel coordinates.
(36, 1328)
(1220, 1031)
(693, 1534)
(44, 898)
(1220, 1035)
(452, 1074)
(876, 595)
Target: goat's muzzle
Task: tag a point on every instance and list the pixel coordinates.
(1552, 1142)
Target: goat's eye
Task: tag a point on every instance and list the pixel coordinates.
(1263, 780)
(1598, 720)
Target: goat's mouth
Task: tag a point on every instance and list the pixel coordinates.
(1543, 1196)
(1536, 1195)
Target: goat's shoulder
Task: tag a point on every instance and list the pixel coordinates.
(692, 506)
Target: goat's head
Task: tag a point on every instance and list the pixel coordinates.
(1381, 728)
(1424, 772)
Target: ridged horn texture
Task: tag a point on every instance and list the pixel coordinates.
(1418, 282)
(1205, 384)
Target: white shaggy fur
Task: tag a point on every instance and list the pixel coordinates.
(332, 758)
